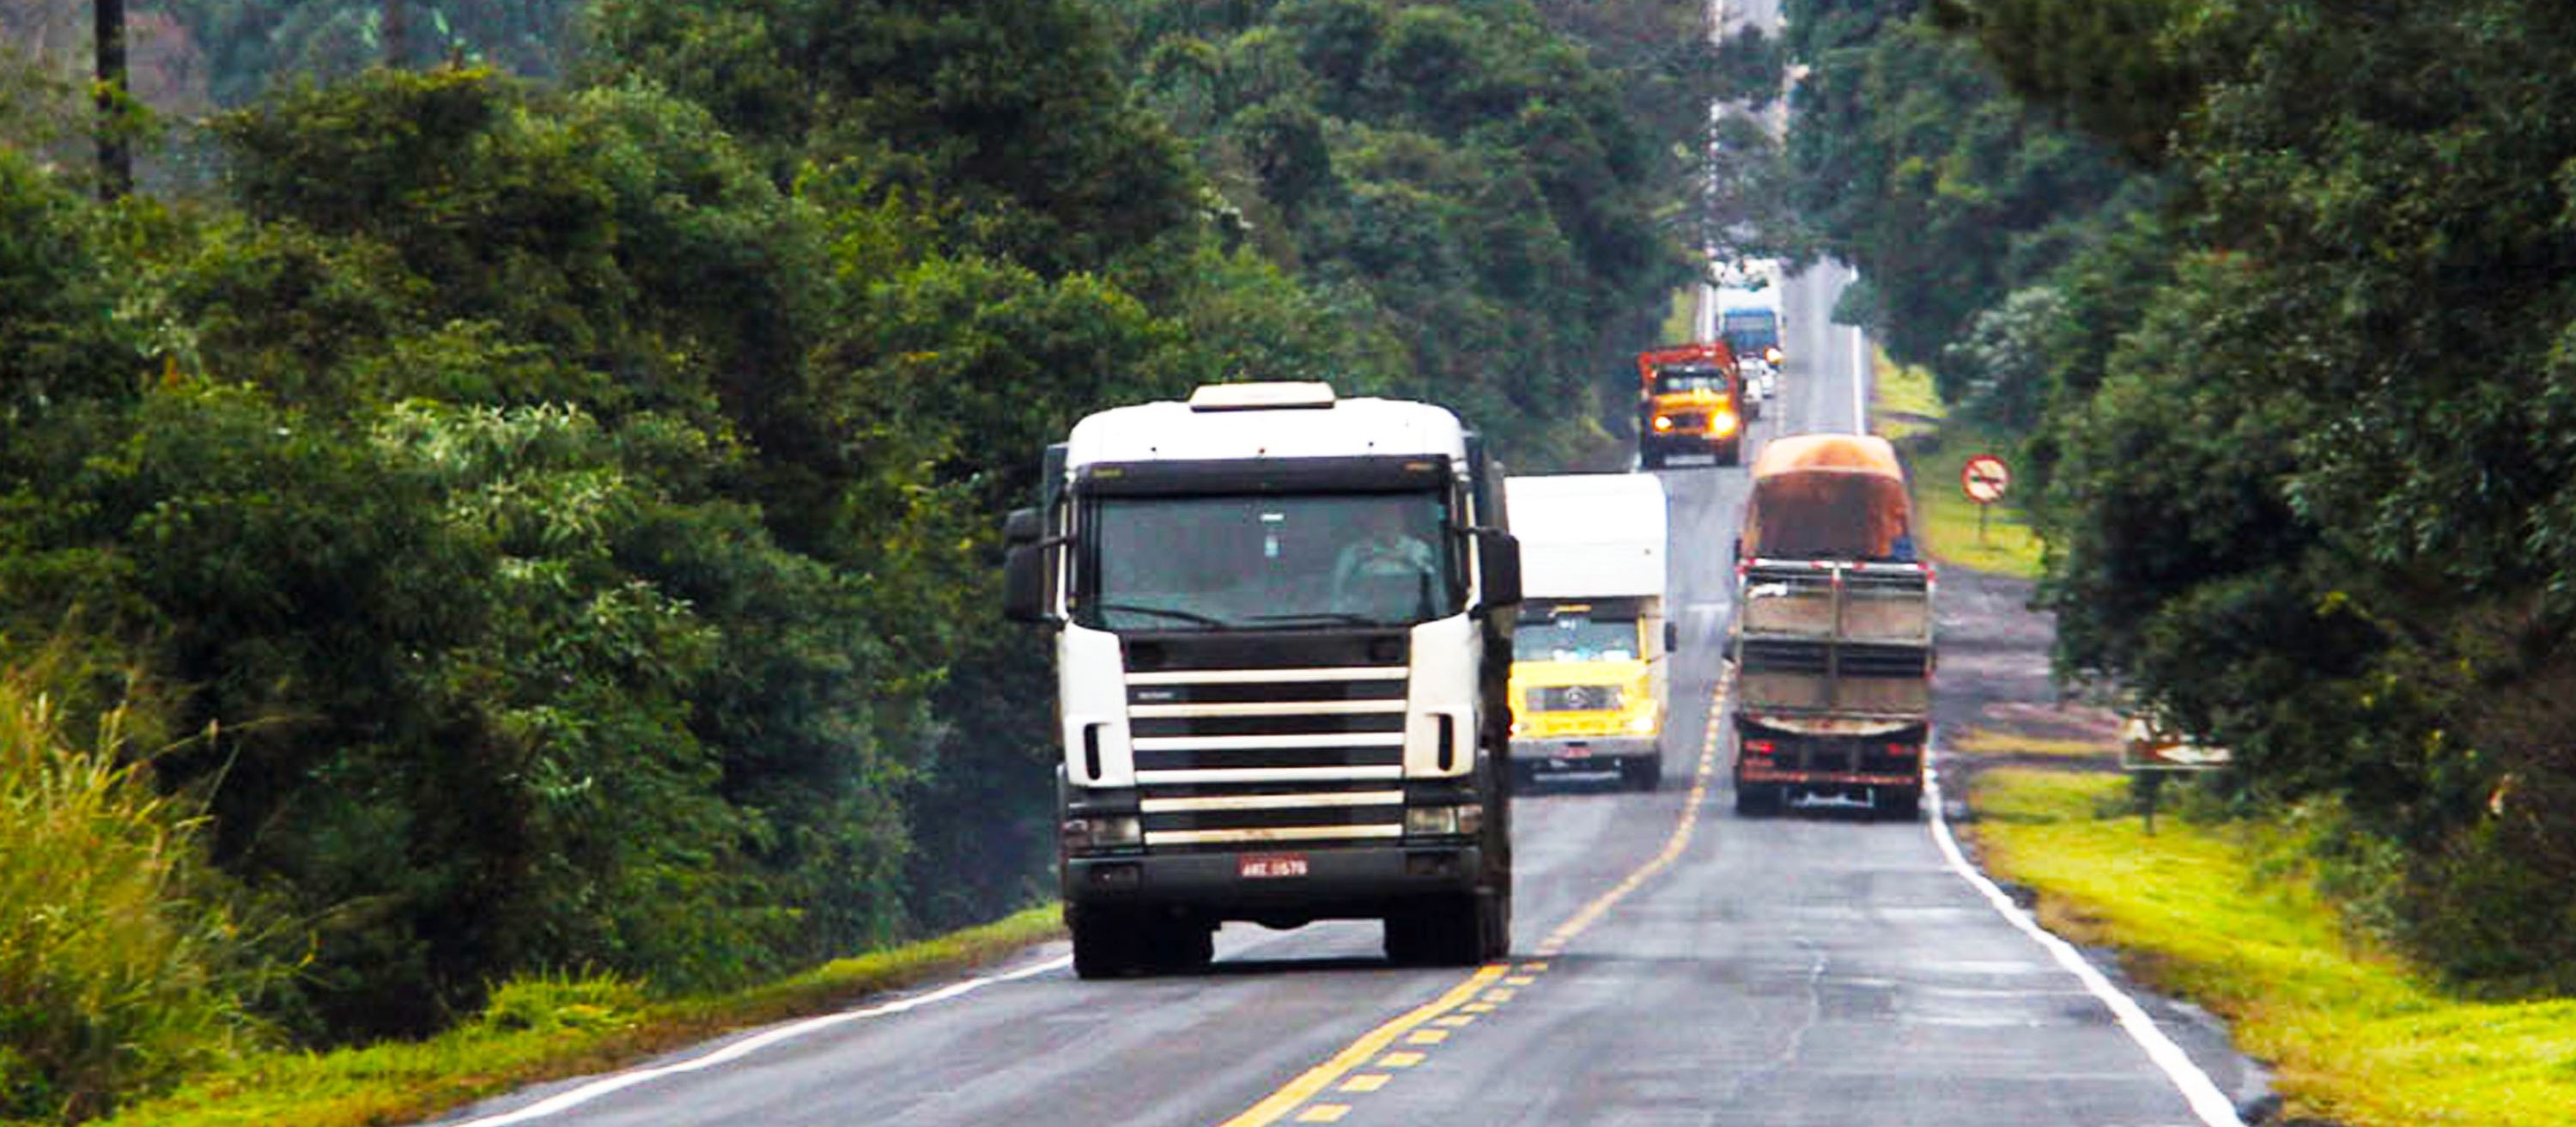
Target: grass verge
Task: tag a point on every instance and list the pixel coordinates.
(1682, 320)
(2200, 911)
(549, 1029)
(1905, 410)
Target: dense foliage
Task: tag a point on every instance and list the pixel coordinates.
(560, 508)
(2301, 379)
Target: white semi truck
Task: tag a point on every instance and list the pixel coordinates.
(1282, 623)
(1590, 657)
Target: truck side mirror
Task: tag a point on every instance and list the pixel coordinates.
(1498, 567)
(1024, 571)
(1021, 528)
(1024, 584)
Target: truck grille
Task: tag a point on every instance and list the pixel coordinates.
(1574, 698)
(1255, 742)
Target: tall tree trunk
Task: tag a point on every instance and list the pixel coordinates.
(397, 28)
(115, 159)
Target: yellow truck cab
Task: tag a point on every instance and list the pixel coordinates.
(1589, 668)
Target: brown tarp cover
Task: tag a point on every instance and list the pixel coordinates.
(1826, 496)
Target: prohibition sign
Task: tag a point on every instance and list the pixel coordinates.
(1985, 478)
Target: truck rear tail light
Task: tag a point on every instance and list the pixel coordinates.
(1759, 747)
(1902, 750)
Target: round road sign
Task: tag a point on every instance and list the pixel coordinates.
(1985, 478)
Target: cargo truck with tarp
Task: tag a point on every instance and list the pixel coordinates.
(1591, 655)
(1831, 648)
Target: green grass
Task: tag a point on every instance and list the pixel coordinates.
(1684, 317)
(2352, 1035)
(1902, 403)
(548, 1028)
(120, 967)
(1905, 410)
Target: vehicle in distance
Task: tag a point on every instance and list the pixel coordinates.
(1749, 316)
(1589, 657)
(1282, 624)
(1690, 400)
(1831, 649)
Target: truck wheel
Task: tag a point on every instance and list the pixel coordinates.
(1733, 455)
(1757, 800)
(1650, 458)
(1447, 931)
(1899, 804)
(1104, 942)
(1493, 927)
(1643, 773)
(1178, 945)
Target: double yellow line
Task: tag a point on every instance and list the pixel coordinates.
(1478, 994)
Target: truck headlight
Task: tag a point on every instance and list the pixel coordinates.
(1642, 723)
(1723, 423)
(1463, 820)
(1663, 422)
(1103, 831)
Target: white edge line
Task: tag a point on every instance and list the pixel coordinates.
(566, 1101)
(1860, 380)
(2211, 1105)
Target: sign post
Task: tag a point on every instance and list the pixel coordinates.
(2149, 751)
(1984, 478)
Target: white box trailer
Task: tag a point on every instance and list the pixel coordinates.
(1588, 671)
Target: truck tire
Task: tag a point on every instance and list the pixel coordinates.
(1732, 455)
(1650, 458)
(1898, 804)
(1757, 800)
(1104, 941)
(1493, 926)
(1643, 773)
(1445, 931)
(1177, 945)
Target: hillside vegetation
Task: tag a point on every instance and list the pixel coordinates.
(2281, 295)
(538, 504)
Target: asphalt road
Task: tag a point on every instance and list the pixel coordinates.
(1673, 965)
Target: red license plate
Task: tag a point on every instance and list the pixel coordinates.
(1259, 866)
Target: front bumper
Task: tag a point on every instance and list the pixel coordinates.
(1340, 882)
(1578, 757)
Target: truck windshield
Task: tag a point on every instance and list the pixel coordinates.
(1575, 638)
(1673, 381)
(1266, 561)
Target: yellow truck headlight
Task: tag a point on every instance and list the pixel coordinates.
(1642, 723)
(1663, 422)
(1723, 423)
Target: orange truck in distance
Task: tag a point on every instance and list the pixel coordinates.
(1690, 400)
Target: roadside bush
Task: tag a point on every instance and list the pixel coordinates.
(121, 968)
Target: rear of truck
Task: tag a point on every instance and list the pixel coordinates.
(1832, 648)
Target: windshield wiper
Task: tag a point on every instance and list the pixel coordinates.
(1167, 612)
(1338, 617)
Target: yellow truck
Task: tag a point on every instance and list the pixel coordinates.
(1589, 655)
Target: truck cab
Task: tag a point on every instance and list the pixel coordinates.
(1690, 401)
(1591, 655)
(1282, 624)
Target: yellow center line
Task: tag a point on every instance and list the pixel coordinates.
(1315, 1080)
(1322, 1076)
